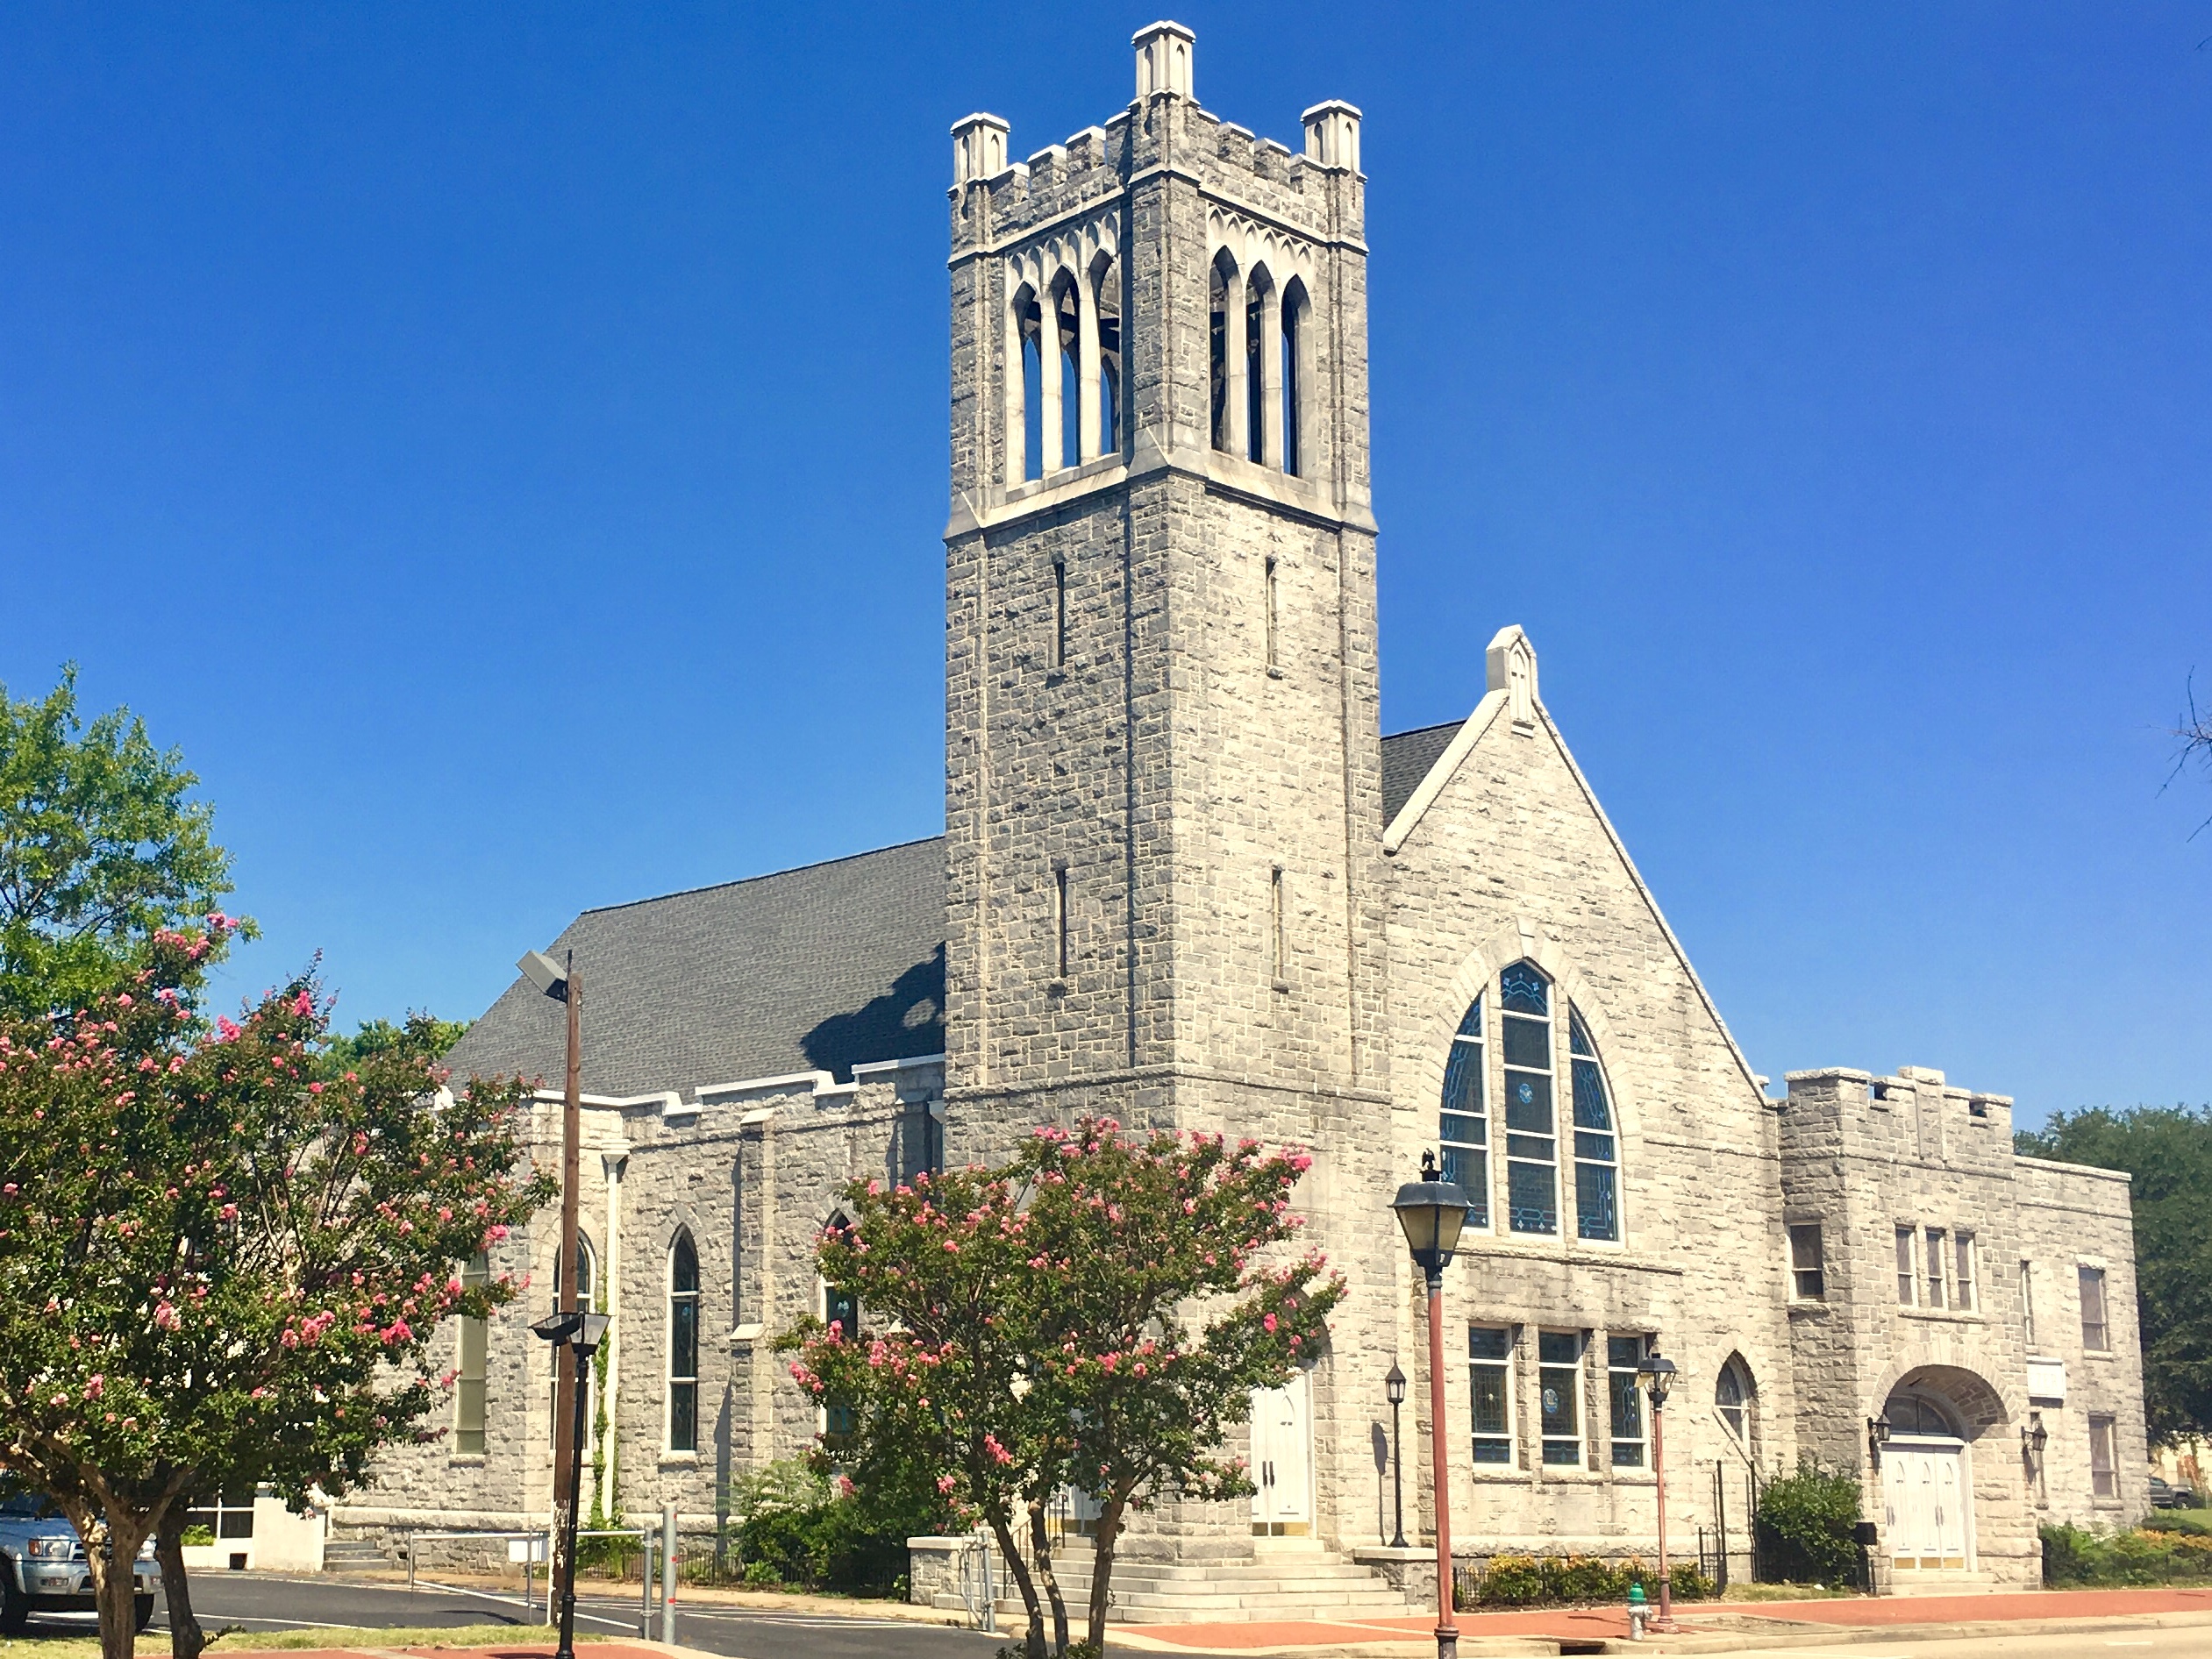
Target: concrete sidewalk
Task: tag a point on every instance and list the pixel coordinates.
(1707, 1627)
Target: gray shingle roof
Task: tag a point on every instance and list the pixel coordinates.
(1406, 759)
(813, 969)
(808, 969)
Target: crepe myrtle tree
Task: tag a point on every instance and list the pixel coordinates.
(216, 1268)
(1095, 1314)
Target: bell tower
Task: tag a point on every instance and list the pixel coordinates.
(1163, 790)
(1163, 793)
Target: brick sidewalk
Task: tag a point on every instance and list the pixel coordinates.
(1590, 1623)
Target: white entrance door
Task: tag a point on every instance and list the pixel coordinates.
(1282, 1458)
(1924, 1491)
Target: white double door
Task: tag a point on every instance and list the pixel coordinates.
(1282, 1458)
(1924, 1491)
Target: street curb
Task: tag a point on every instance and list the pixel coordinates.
(1798, 1634)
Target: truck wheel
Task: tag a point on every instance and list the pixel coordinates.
(15, 1607)
(141, 1612)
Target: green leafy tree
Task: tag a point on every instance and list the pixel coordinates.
(1096, 1314)
(217, 1268)
(422, 1036)
(2168, 1150)
(99, 847)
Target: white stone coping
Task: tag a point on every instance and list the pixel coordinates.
(2053, 1164)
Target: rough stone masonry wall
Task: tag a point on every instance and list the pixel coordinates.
(1864, 1156)
(1513, 860)
(2071, 1217)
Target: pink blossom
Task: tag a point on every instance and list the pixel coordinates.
(945, 1483)
(165, 1316)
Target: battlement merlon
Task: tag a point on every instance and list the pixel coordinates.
(1317, 193)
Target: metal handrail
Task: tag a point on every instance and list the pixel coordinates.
(647, 1537)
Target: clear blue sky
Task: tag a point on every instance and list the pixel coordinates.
(503, 447)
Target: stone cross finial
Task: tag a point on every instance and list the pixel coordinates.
(1164, 52)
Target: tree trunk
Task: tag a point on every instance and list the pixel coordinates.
(1041, 1547)
(1102, 1570)
(1033, 1643)
(186, 1638)
(114, 1590)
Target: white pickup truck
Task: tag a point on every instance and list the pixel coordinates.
(42, 1566)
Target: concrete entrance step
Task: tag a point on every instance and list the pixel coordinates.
(1941, 1581)
(353, 1554)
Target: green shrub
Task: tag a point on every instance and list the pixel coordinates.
(794, 1525)
(2197, 1521)
(1550, 1581)
(2079, 1556)
(1806, 1523)
(197, 1535)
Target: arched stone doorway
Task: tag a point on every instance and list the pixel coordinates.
(1936, 1415)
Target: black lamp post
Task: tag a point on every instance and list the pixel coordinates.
(1431, 1211)
(580, 1335)
(1657, 1373)
(561, 981)
(1394, 1389)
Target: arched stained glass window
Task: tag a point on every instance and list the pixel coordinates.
(1596, 1144)
(683, 1345)
(1463, 1131)
(1531, 1131)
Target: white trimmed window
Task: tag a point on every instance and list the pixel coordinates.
(1559, 1396)
(683, 1345)
(1807, 1280)
(2104, 1476)
(1622, 1353)
(1933, 1259)
(1906, 1297)
(469, 1368)
(1962, 1280)
(1490, 1391)
(2096, 1333)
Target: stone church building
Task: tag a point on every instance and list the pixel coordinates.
(1185, 879)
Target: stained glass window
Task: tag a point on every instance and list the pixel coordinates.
(683, 1345)
(1490, 1391)
(1464, 1130)
(1559, 1383)
(1532, 1143)
(1623, 1355)
(1596, 1194)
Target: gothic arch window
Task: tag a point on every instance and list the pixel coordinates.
(1597, 1142)
(1105, 278)
(1296, 374)
(1228, 355)
(1531, 1126)
(1263, 369)
(841, 1312)
(1734, 1399)
(1063, 379)
(683, 1344)
(586, 1302)
(1024, 386)
(1463, 1129)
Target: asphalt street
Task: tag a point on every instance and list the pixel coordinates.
(2188, 1642)
(259, 1601)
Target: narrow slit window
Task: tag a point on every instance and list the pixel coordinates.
(1293, 323)
(1463, 1127)
(1937, 1247)
(1490, 1391)
(2028, 1306)
(1059, 615)
(1623, 1355)
(1059, 921)
(1030, 322)
(1274, 618)
(1962, 1280)
(1905, 1280)
(1278, 955)
(1531, 1131)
